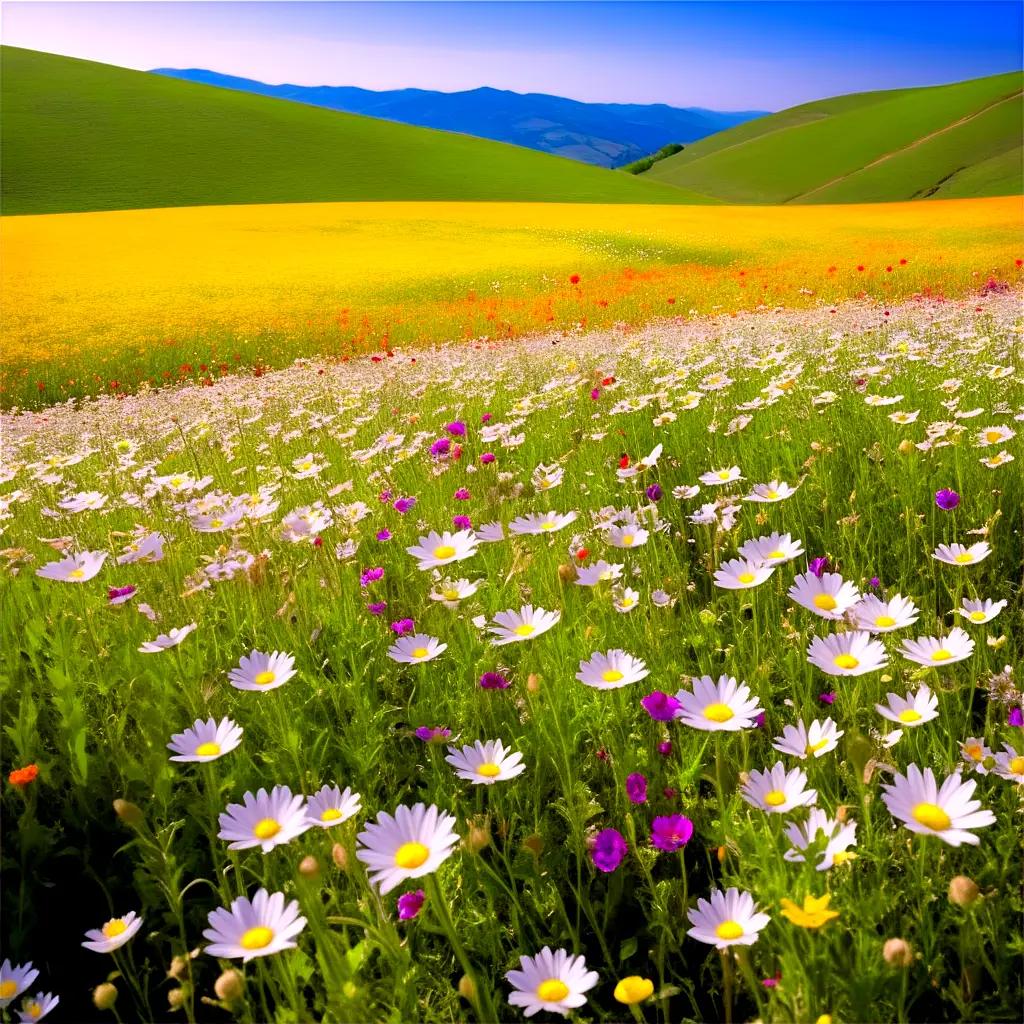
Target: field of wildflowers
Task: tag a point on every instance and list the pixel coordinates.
(658, 675)
(105, 303)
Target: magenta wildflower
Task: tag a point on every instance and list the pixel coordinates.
(403, 627)
(456, 428)
(410, 904)
(654, 492)
(636, 788)
(487, 458)
(462, 494)
(608, 850)
(1015, 717)
(671, 832)
(665, 748)
(595, 393)
(383, 535)
(947, 499)
(402, 505)
(118, 595)
(487, 417)
(441, 447)
(819, 566)
(384, 497)
(602, 754)
(874, 582)
(827, 698)
(433, 734)
(662, 707)
(493, 681)
(759, 721)
(377, 608)
(462, 522)
(369, 576)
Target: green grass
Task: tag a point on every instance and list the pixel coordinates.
(819, 152)
(95, 715)
(77, 135)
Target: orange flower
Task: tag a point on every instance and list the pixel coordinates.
(23, 776)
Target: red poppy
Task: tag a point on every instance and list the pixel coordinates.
(582, 554)
(574, 279)
(607, 382)
(23, 776)
(624, 462)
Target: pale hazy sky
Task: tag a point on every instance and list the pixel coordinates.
(722, 55)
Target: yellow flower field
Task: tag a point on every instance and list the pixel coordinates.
(108, 301)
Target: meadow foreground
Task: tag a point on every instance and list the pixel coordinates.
(663, 674)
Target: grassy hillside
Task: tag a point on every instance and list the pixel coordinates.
(79, 136)
(945, 141)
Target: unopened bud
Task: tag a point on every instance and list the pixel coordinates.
(533, 682)
(906, 446)
(178, 968)
(128, 812)
(566, 573)
(534, 844)
(176, 998)
(897, 953)
(309, 867)
(104, 996)
(340, 856)
(230, 986)
(467, 988)
(479, 835)
(963, 891)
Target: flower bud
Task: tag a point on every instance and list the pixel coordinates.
(534, 844)
(906, 446)
(467, 988)
(479, 835)
(104, 996)
(309, 867)
(633, 989)
(533, 682)
(178, 968)
(176, 998)
(566, 573)
(230, 986)
(963, 891)
(340, 856)
(897, 953)
(128, 812)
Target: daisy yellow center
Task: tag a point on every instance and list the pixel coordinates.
(420, 652)
(1016, 766)
(112, 929)
(611, 675)
(8, 989)
(627, 602)
(842, 857)
(444, 551)
(76, 574)
(266, 828)
(552, 991)
(746, 577)
(548, 525)
(885, 621)
(257, 938)
(776, 554)
(977, 616)
(305, 465)
(931, 816)
(776, 798)
(216, 522)
(488, 770)
(176, 481)
(974, 752)
(909, 715)
(451, 595)
(771, 494)
(606, 575)
(524, 630)
(34, 1009)
(208, 750)
(942, 654)
(964, 557)
(992, 435)
(627, 539)
(729, 930)
(263, 678)
(411, 855)
(723, 475)
(545, 483)
(826, 602)
(331, 814)
(845, 661)
(718, 713)
(813, 748)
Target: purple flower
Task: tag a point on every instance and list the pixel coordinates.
(608, 850)
(874, 582)
(818, 566)
(384, 497)
(947, 499)
(662, 707)
(636, 788)
(1015, 717)
(462, 494)
(671, 832)
(377, 608)
(665, 748)
(442, 446)
(595, 393)
(403, 627)
(493, 681)
(369, 576)
(654, 492)
(759, 721)
(118, 595)
(402, 505)
(487, 458)
(383, 535)
(433, 734)
(410, 904)
(462, 522)
(456, 428)
(668, 793)
(487, 417)
(827, 698)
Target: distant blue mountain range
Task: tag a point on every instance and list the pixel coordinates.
(606, 134)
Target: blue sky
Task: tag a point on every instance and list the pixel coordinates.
(724, 55)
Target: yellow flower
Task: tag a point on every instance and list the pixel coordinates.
(813, 914)
(633, 989)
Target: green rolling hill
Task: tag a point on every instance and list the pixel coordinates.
(77, 136)
(948, 141)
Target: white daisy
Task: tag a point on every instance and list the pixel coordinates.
(957, 554)
(411, 650)
(490, 533)
(166, 640)
(995, 461)
(331, 805)
(260, 671)
(206, 741)
(776, 490)
(75, 568)
(728, 919)
(717, 477)
(114, 934)
(980, 611)
(15, 979)
(878, 616)
(1009, 764)
(778, 791)
(725, 706)
(976, 753)
(611, 670)
(535, 523)
(442, 548)
(413, 843)
(742, 574)
(912, 710)
(550, 981)
(629, 535)
(250, 929)
(847, 654)
(775, 549)
(647, 462)
(485, 763)
(935, 651)
(451, 592)
(994, 435)
(625, 599)
(945, 811)
(804, 741)
(828, 595)
(36, 1007)
(600, 572)
(837, 837)
(513, 626)
(265, 820)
